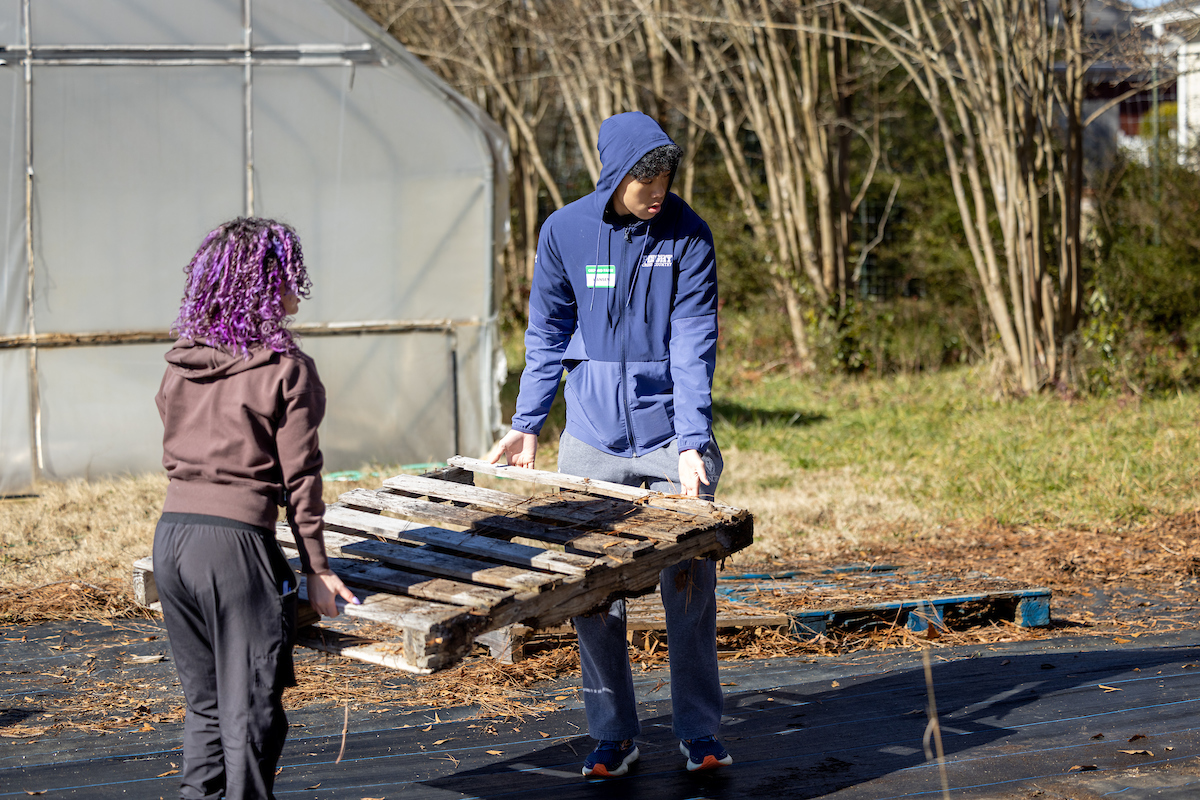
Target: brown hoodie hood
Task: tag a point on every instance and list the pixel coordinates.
(200, 361)
(240, 439)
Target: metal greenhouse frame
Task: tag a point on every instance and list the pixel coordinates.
(124, 152)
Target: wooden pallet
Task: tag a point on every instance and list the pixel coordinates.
(802, 605)
(864, 597)
(442, 561)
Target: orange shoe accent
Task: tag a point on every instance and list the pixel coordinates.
(710, 762)
(600, 770)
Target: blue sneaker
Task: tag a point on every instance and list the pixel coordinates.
(704, 752)
(610, 759)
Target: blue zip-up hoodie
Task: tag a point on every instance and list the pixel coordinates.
(629, 308)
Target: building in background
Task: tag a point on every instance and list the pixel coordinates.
(136, 126)
(1174, 31)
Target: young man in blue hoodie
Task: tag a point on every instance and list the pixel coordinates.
(624, 297)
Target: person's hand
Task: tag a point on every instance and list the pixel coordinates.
(324, 588)
(691, 473)
(520, 449)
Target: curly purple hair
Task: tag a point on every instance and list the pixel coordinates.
(236, 283)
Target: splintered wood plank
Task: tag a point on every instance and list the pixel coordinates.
(621, 517)
(384, 654)
(145, 591)
(647, 613)
(457, 492)
(545, 478)
(568, 507)
(619, 491)
(434, 635)
(486, 547)
(440, 515)
(426, 559)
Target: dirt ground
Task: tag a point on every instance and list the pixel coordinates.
(1123, 584)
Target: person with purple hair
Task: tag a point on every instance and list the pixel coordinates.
(240, 405)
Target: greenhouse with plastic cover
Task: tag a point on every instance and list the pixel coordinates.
(137, 126)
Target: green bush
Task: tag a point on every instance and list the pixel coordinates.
(902, 335)
(1142, 329)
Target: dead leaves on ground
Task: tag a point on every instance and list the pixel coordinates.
(67, 600)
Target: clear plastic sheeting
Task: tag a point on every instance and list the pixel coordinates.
(414, 201)
(149, 128)
(98, 410)
(16, 469)
(383, 412)
(124, 201)
(137, 22)
(14, 262)
(278, 24)
(10, 23)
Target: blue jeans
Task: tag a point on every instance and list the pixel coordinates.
(689, 600)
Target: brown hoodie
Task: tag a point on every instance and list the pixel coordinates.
(240, 439)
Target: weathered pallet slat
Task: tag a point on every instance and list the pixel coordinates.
(384, 578)
(426, 559)
(468, 543)
(434, 558)
(570, 507)
(686, 505)
(385, 654)
(145, 591)
(425, 512)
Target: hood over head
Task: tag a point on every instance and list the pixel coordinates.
(623, 140)
(196, 360)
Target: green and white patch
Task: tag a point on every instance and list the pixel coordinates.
(601, 276)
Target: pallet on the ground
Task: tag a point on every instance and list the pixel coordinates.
(874, 596)
(442, 561)
(802, 605)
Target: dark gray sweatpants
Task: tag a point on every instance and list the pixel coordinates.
(231, 634)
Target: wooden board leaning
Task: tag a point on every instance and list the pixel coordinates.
(443, 561)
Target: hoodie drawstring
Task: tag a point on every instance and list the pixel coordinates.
(596, 266)
(628, 234)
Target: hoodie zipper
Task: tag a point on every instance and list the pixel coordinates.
(621, 337)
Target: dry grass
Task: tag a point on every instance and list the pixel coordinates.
(79, 530)
(808, 512)
(66, 600)
(91, 532)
